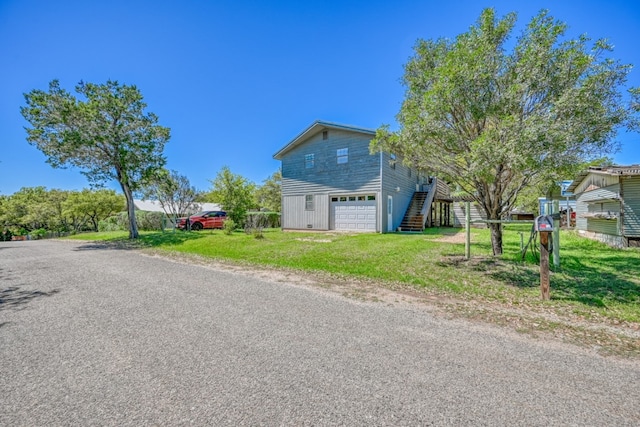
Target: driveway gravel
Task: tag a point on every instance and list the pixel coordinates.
(94, 335)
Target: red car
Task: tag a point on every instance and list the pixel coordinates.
(206, 219)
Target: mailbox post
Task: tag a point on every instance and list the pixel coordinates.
(544, 226)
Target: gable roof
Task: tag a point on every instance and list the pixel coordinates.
(616, 170)
(318, 126)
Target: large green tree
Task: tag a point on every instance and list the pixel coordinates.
(234, 192)
(106, 133)
(29, 209)
(172, 191)
(269, 194)
(494, 120)
(89, 207)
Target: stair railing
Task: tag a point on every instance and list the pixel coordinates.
(426, 207)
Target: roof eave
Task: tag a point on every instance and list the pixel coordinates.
(317, 126)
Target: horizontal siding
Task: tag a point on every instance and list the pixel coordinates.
(631, 206)
(301, 186)
(393, 178)
(603, 226)
(360, 174)
(596, 201)
(610, 192)
(596, 180)
(581, 208)
(295, 217)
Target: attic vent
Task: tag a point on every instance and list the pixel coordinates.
(325, 134)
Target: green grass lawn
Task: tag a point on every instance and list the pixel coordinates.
(593, 280)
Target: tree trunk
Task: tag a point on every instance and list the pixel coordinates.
(496, 238)
(131, 211)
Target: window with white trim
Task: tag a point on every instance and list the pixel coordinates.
(308, 202)
(342, 155)
(309, 161)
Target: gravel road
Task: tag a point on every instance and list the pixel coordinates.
(92, 335)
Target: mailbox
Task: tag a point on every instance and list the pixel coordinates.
(543, 223)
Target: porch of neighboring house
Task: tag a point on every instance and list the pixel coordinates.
(430, 207)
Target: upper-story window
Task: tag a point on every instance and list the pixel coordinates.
(392, 161)
(309, 161)
(343, 155)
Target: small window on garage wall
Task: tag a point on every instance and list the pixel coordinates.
(308, 202)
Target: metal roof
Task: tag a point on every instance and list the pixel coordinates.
(606, 170)
(154, 206)
(318, 126)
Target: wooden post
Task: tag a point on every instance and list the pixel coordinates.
(556, 236)
(521, 241)
(544, 265)
(467, 223)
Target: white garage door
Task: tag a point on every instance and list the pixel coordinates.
(353, 213)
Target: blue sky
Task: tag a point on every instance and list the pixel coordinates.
(236, 80)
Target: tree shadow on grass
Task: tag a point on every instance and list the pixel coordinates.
(16, 298)
(172, 238)
(145, 241)
(596, 283)
(602, 279)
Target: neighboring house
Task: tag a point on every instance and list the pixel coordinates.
(608, 204)
(330, 181)
(154, 206)
(560, 193)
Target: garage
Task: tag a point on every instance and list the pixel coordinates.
(353, 213)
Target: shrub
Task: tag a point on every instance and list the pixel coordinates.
(263, 219)
(38, 234)
(229, 226)
(148, 221)
(116, 222)
(109, 224)
(256, 222)
(6, 235)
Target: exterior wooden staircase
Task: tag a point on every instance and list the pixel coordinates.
(420, 208)
(414, 219)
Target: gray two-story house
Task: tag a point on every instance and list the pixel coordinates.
(330, 181)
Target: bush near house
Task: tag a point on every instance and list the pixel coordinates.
(6, 235)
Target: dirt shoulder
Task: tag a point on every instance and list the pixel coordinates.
(596, 334)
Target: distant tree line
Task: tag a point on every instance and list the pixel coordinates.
(37, 210)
